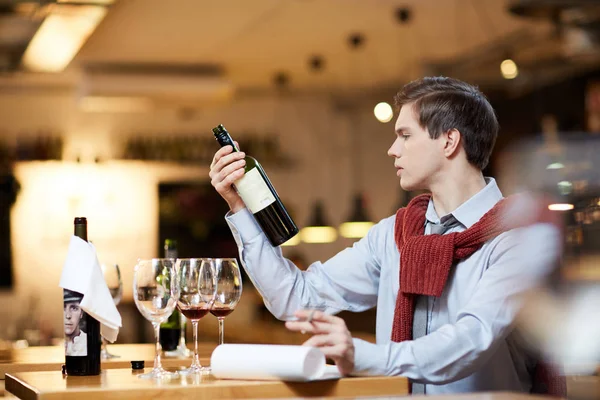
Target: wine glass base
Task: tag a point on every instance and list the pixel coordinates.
(159, 373)
(105, 355)
(180, 351)
(195, 370)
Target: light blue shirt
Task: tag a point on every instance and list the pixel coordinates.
(470, 345)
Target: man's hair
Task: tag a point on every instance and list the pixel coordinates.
(443, 104)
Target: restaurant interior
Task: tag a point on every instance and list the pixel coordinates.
(107, 106)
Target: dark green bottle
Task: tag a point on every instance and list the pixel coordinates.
(260, 196)
(82, 332)
(170, 330)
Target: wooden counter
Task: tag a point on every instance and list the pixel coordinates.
(122, 384)
(51, 358)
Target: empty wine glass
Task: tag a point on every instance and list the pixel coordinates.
(197, 288)
(112, 277)
(229, 290)
(155, 292)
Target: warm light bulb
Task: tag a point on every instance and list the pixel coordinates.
(318, 234)
(560, 207)
(555, 165)
(355, 230)
(509, 69)
(293, 241)
(383, 112)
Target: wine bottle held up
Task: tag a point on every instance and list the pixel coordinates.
(82, 331)
(260, 196)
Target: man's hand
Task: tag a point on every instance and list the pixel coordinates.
(226, 168)
(330, 335)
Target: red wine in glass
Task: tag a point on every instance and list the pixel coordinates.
(221, 312)
(193, 314)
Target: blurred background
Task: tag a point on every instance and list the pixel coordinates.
(106, 110)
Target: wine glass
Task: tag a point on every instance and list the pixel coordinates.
(197, 288)
(112, 277)
(155, 292)
(229, 290)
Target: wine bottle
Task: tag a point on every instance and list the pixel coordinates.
(260, 196)
(82, 331)
(170, 330)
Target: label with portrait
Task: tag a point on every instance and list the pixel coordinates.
(74, 324)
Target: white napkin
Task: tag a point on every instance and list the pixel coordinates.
(271, 362)
(81, 273)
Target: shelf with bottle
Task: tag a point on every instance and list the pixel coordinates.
(42, 147)
(187, 149)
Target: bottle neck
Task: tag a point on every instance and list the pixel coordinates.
(225, 139)
(170, 253)
(81, 231)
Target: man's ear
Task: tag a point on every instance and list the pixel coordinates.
(452, 140)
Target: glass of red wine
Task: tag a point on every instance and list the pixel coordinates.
(197, 283)
(229, 290)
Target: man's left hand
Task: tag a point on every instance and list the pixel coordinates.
(330, 335)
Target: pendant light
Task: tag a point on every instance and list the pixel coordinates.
(318, 230)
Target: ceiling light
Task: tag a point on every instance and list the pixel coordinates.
(555, 165)
(293, 241)
(60, 36)
(560, 207)
(359, 223)
(318, 230)
(565, 187)
(383, 112)
(509, 69)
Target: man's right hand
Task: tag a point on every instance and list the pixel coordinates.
(226, 168)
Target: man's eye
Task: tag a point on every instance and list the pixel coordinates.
(405, 135)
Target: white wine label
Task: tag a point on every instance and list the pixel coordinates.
(254, 191)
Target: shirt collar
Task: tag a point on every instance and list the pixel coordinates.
(471, 210)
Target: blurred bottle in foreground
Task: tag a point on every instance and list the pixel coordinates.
(170, 331)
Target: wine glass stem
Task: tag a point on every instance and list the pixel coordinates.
(196, 361)
(221, 329)
(157, 363)
(182, 335)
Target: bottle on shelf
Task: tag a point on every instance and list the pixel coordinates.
(170, 330)
(82, 332)
(260, 196)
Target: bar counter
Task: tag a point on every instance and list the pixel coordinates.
(124, 384)
(51, 358)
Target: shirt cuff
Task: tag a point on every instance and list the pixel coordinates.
(243, 225)
(367, 360)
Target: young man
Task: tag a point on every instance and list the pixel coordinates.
(446, 280)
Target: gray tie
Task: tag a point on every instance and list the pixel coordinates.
(421, 309)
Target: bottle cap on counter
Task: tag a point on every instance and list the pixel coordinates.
(137, 365)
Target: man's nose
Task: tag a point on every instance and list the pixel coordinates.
(394, 150)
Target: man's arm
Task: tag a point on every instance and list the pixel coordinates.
(519, 262)
(348, 281)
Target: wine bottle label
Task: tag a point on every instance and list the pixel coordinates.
(74, 323)
(254, 191)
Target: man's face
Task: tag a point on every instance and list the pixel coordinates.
(417, 157)
(72, 316)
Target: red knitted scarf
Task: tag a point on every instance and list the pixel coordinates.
(425, 261)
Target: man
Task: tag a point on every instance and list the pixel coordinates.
(455, 334)
(75, 338)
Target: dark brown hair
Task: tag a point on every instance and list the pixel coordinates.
(443, 104)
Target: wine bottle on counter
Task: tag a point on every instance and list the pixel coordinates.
(82, 331)
(260, 196)
(170, 330)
